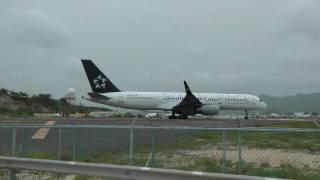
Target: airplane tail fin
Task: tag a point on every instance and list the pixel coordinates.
(98, 81)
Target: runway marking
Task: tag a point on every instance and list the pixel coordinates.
(43, 132)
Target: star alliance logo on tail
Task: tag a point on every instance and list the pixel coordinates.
(100, 82)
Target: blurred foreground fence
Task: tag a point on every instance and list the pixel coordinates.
(113, 171)
(285, 153)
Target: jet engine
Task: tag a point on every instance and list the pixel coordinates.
(209, 109)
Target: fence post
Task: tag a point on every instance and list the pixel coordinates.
(152, 149)
(131, 146)
(23, 141)
(13, 153)
(224, 151)
(131, 142)
(59, 143)
(73, 144)
(13, 147)
(239, 152)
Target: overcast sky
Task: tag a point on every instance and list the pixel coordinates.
(247, 46)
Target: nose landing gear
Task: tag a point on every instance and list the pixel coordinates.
(173, 116)
(246, 114)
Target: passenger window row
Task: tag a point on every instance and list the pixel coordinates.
(130, 97)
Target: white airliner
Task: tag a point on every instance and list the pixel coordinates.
(183, 104)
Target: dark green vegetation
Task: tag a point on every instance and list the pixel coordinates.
(21, 104)
(296, 124)
(297, 103)
(15, 113)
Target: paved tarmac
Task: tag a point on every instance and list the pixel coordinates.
(89, 140)
(216, 122)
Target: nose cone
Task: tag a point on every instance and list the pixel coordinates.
(262, 105)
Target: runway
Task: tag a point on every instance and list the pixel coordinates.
(214, 122)
(89, 140)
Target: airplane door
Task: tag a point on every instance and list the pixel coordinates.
(121, 98)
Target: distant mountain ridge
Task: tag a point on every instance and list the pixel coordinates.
(297, 103)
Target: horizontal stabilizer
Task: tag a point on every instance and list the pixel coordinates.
(97, 96)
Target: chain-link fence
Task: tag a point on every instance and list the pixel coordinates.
(285, 153)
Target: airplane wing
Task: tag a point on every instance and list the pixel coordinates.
(189, 104)
(167, 106)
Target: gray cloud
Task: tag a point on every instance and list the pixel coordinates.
(302, 18)
(34, 28)
(244, 46)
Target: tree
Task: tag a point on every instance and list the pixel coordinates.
(63, 100)
(3, 92)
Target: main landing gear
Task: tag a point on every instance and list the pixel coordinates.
(173, 116)
(246, 114)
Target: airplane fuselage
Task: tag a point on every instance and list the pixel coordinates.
(167, 100)
(183, 104)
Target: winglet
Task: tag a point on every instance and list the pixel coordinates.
(188, 91)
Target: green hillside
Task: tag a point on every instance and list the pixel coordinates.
(21, 104)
